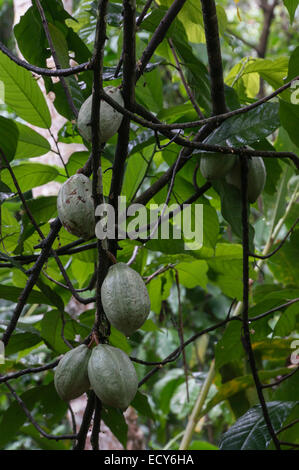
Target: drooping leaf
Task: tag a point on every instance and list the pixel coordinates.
(23, 94)
(251, 432)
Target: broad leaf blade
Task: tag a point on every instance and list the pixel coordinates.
(250, 431)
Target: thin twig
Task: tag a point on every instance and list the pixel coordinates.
(33, 421)
(246, 328)
(56, 59)
(44, 71)
(184, 81)
(30, 370)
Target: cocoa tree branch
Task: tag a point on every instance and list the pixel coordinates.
(128, 91)
(159, 35)
(245, 317)
(214, 56)
(280, 245)
(151, 122)
(44, 71)
(56, 59)
(82, 434)
(30, 370)
(35, 272)
(34, 422)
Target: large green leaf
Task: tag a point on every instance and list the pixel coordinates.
(115, 421)
(289, 115)
(23, 94)
(291, 5)
(247, 128)
(250, 432)
(30, 143)
(12, 293)
(52, 328)
(9, 135)
(30, 175)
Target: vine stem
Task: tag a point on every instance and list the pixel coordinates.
(194, 417)
(271, 240)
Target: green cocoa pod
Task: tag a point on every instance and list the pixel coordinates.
(215, 165)
(112, 376)
(256, 177)
(110, 119)
(125, 298)
(71, 375)
(75, 206)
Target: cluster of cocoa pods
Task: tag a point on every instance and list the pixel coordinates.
(215, 166)
(106, 369)
(75, 204)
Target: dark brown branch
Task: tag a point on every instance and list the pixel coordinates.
(56, 59)
(288, 426)
(184, 81)
(214, 55)
(32, 420)
(289, 444)
(275, 309)
(254, 255)
(268, 12)
(30, 370)
(159, 35)
(197, 142)
(138, 23)
(176, 353)
(279, 381)
(44, 71)
(151, 122)
(128, 91)
(82, 434)
(181, 332)
(35, 272)
(244, 41)
(101, 326)
(96, 428)
(82, 300)
(245, 317)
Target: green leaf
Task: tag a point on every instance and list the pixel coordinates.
(250, 432)
(246, 128)
(283, 266)
(291, 6)
(9, 135)
(23, 94)
(52, 327)
(287, 321)
(231, 208)
(19, 342)
(13, 417)
(115, 421)
(135, 172)
(13, 293)
(193, 274)
(42, 208)
(30, 175)
(30, 143)
(289, 115)
(141, 404)
(29, 32)
(229, 348)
